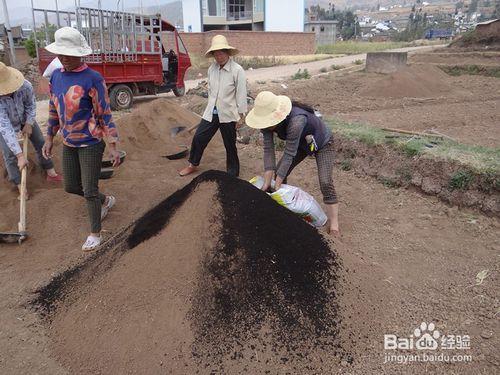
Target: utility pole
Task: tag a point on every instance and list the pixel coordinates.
(9, 33)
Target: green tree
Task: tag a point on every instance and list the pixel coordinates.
(29, 44)
(496, 13)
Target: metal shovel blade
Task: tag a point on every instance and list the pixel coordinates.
(176, 130)
(12, 237)
(178, 155)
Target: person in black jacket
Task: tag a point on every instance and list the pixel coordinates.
(305, 134)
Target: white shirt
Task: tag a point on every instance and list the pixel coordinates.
(227, 90)
(54, 65)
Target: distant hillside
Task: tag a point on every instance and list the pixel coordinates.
(363, 4)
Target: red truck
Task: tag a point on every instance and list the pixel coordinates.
(136, 54)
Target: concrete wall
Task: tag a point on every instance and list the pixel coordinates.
(325, 34)
(284, 15)
(255, 43)
(385, 62)
(191, 14)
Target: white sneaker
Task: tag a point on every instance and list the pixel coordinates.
(110, 202)
(92, 243)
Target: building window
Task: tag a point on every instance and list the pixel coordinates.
(215, 7)
(313, 29)
(237, 10)
(322, 28)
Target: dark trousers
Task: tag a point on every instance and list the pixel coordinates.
(10, 159)
(205, 132)
(81, 169)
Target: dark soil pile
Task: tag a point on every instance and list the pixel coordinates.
(218, 277)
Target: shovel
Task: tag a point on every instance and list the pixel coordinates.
(22, 234)
(178, 129)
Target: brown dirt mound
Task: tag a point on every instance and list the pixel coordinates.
(219, 291)
(415, 81)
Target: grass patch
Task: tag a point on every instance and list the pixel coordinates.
(387, 182)
(301, 74)
(458, 70)
(483, 160)
(354, 48)
(346, 165)
(460, 180)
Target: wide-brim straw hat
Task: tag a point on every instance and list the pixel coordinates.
(269, 110)
(69, 42)
(219, 42)
(11, 79)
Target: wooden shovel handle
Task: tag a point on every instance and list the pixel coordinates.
(22, 206)
(190, 130)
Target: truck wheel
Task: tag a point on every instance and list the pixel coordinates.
(121, 97)
(179, 91)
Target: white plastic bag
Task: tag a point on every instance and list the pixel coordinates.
(296, 200)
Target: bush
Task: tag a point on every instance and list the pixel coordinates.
(30, 47)
(301, 74)
(358, 62)
(336, 67)
(323, 70)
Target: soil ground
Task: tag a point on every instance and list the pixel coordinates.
(423, 98)
(406, 258)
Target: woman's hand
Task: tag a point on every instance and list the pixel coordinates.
(21, 161)
(27, 130)
(277, 184)
(47, 148)
(114, 155)
(268, 178)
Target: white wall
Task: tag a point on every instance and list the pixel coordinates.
(284, 15)
(191, 14)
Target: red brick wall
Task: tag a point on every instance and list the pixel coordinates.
(255, 43)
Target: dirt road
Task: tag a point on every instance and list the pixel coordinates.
(286, 71)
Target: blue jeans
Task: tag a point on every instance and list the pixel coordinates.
(10, 159)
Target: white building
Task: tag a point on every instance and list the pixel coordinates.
(257, 15)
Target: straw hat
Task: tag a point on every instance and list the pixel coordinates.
(69, 42)
(219, 42)
(10, 79)
(269, 110)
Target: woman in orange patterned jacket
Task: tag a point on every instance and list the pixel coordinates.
(79, 108)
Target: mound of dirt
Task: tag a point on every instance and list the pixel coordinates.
(478, 40)
(216, 278)
(148, 127)
(415, 81)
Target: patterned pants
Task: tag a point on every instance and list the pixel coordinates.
(81, 169)
(324, 161)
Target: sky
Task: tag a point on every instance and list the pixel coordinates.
(19, 9)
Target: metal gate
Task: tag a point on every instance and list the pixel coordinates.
(114, 36)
